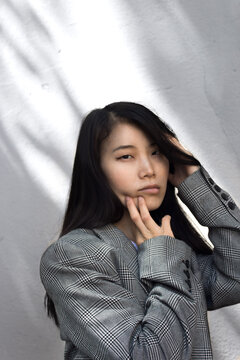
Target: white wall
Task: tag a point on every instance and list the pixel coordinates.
(58, 60)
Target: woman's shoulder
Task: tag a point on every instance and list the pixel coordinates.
(77, 236)
(79, 249)
(75, 244)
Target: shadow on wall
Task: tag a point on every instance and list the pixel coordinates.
(192, 56)
(30, 218)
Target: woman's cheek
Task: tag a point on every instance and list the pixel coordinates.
(122, 198)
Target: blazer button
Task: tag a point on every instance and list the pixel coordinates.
(217, 188)
(231, 205)
(211, 181)
(224, 196)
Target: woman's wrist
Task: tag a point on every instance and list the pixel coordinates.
(192, 169)
(186, 171)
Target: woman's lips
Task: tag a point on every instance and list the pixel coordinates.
(154, 190)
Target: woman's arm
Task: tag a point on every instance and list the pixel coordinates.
(214, 208)
(106, 321)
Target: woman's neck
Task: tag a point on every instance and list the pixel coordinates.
(127, 226)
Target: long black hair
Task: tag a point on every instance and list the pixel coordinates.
(92, 203)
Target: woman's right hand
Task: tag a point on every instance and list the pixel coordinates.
(145, 225)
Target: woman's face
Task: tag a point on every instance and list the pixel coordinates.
(131, 162)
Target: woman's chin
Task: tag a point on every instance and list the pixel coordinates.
(153, 204)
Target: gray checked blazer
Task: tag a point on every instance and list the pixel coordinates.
(116, 302)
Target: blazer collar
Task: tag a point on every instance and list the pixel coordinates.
(112, 235)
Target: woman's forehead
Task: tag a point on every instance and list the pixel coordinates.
(125, 132)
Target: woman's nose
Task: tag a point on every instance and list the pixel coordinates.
(146, 168)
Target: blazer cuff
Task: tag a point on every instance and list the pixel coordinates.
(208, 202)
(166, 260)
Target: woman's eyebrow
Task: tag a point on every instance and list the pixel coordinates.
(128, 147)
(124, 147)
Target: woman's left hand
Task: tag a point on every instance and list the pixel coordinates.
(181, 171)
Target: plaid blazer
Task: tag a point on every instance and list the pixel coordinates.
(116, 302)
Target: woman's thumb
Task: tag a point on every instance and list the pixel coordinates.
(166, 219)
(166, 225)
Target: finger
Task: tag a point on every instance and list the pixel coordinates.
(145, 215)
(166, 220)
(135, 215)
(166, 225)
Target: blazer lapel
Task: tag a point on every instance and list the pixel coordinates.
(115, 237)
(127, 254)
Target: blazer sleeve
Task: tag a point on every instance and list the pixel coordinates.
(106, 321)
(214, 208)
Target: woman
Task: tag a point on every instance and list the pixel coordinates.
(129, 277)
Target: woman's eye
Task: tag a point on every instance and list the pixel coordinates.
(156, 152)
(125, 157)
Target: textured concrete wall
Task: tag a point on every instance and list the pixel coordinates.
(58, 60)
